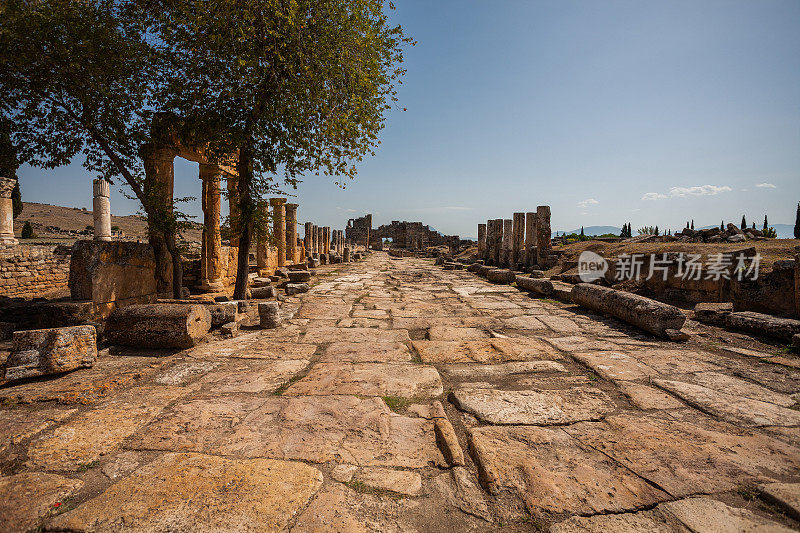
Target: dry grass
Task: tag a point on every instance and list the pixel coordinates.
(771, 250)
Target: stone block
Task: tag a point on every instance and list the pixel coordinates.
(501, 275)
(543, 287)
(41, 352)
(269, 315)
(649, 315)
(761, 324)
(262, 293)
(112, 272)
(295, 288)
(158, 325)
(299, 276)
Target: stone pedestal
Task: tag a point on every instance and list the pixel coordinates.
(101, 209)
(530, 238)
(518, 240)
(508, 228)
(279, 228)
(481, 241)
(543, 244)
(291, 233)
(211, 251)
(7, 212)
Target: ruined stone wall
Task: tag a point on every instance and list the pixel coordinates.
(412, 235)
(359, 230)
(33, 270)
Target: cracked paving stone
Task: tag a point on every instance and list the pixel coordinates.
(29, 496)
(615, 366)
(327, 334)
(534, 407)
(16, 425)
(359, 352)
(484, 351)
(194, 492)
(250, 376)
(551, 472)
(407, 380)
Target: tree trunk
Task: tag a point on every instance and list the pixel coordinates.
(246, 212)
(177, 263)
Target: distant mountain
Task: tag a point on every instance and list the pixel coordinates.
(784, 231)
(593, 230)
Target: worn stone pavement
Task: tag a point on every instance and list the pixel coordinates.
(402, 397)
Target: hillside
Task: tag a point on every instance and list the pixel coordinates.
(69, 223)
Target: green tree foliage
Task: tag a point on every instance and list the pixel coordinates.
(291, 87)
(648, 230)
(78, 81)
(27, 230)
(770, 233)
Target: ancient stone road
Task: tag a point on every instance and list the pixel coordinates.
(401, 397)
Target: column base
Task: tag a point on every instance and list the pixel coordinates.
(213, 285)
(103, 238)
(8, 240)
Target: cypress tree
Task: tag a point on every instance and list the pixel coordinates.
(797, 223)
(722, 226)
(692, 223)
(765, 223)
(744, 223)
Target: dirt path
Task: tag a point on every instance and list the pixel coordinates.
(401, 397)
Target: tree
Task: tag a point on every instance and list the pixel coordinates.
(291, 88)
(797, 222)
(766, 225)
(722, 226)
(582, 235)
(692, 223)
(27, 230)
(656, 231)
(744, 224)
(16, 200)
(77, 80)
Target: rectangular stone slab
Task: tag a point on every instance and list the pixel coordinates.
(407, 380)
(192, 492)
(683, 458)
(550, 472)
(317, 429)
(484, 351)
(534, 407)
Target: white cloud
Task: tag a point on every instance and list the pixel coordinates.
(699, 190)
(586, 203)
(766, 186)
(653, 196)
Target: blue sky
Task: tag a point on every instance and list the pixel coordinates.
(643, 111)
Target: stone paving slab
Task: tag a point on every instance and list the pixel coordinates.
(615, 366)
(786, 495)
(359, 352)
(306, 428)
(328, 334)
(277, 350)
(86, 385)
(553, 473)
(534, 407)
(407, 380)
(16, 425)
(683, 458)
(193, 492)
(250, 376)
(468, 371)
(87, 436)
(484, 351)
(30, 496)
(731, 407)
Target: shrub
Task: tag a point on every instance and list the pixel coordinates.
(27, 230)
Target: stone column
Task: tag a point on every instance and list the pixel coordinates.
(543, 245)
(320, 241)
(368, 221)
(291, 233)
(279, 227)
(101, 210)
(7, 212)
(308, 239)
(326, 239)
(211, 249)
(261, 239)
(481, 241)
(530, 238)
(518, 240)
(508, 231)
